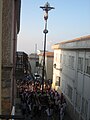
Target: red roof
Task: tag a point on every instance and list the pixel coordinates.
(49, 54)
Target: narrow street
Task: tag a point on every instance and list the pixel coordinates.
(33, 105)
(42, 117)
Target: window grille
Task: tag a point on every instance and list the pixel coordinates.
(87, 61)
(80, 63)
(69, 91)
(78, 100)
(71, 61)
(60, 58)
(84, 107)
(57, 81)
(64, 59)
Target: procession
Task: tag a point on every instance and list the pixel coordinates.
(36, 103)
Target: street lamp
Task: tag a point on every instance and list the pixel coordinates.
(45, 8)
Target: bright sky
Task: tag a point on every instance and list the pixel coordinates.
(70, 19)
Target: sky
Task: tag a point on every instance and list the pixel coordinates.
(70, 19)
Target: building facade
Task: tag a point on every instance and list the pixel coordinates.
(48, 65)
(21, 65)
(34, 62)
(71, 75)
(9, 28)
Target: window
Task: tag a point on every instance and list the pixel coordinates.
(37, 64)
(64, 59)
(57, 81)
(60, 58)
(69, 91)
(71, 61)
(84, 107)
(87, 61)
(83, 104)
(56, 57)
(78, 100)
(80, 63)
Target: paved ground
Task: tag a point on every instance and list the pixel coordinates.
(38, 117)
(44, 117)
(67, 117)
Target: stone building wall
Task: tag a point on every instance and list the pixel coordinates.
(10, 28)
(7, 31)
(7, 63)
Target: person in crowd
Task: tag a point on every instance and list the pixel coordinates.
(61, 113)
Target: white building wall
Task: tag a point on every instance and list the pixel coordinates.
(56, 67)
(33, 58)
(49, 67)
(78, 81)
(73, 79)
(32, 63)
(68, 73)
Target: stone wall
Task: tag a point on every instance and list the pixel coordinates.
(7, 31)
(6, 90)
(10, 17)
(7, 64)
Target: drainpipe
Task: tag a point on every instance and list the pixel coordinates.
(14, 54)
(0, 48)
(82, 93)
(75, 82)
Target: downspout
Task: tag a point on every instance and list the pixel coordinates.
(75, 81)
(0, 48)
(82, 93)
(14, 53)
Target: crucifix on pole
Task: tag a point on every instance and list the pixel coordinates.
(45, 8)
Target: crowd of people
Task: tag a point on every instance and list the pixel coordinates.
(36, 102)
